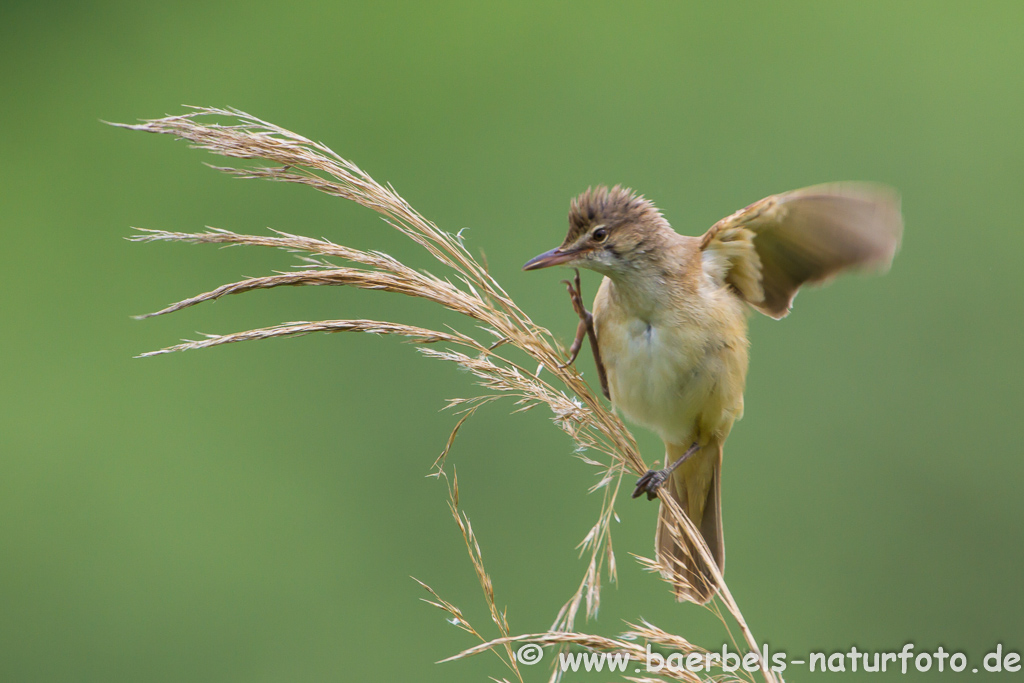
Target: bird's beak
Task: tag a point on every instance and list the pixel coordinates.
(550, 258)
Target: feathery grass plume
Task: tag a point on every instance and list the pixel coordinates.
(500, 619)
(284, 156)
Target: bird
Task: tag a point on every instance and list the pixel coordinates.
(669, 324)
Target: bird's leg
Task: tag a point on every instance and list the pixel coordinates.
(586, 318)
(653, 479)
(585, 328)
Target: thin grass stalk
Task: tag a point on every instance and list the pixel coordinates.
(577, 410)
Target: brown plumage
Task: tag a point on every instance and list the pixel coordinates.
(669, 322)
(614, 207)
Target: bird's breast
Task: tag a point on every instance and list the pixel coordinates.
(672, 377)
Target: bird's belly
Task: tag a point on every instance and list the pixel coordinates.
(669, 383)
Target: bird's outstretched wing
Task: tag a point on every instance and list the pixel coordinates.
(768, 250)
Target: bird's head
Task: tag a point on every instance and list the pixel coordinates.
(612, 231)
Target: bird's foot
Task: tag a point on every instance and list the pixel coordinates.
(586, 324)
(585, 329)
(653, 479)
(576, 296)
(650, 483)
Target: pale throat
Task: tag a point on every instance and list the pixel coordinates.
(642, 290)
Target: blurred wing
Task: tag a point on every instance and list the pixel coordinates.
(768, 250)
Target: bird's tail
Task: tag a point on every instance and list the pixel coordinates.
(696, 486)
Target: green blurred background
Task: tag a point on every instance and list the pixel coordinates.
(254, 512)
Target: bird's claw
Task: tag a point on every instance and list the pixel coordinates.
(576, 296)
(584, 329)
(650, 483)
(586, 318)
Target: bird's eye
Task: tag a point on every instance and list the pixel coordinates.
(600, 235)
